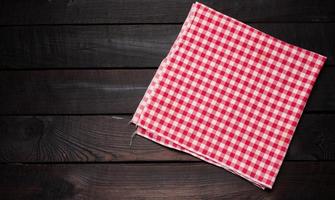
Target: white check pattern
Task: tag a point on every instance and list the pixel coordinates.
(229, 94)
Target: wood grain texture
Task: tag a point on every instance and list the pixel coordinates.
(104, 91)
(158, 11)
(72, 91)
(296, 180)
(106, 139)
(72, 72)
(127, 46)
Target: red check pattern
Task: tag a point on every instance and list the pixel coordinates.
(229, 94)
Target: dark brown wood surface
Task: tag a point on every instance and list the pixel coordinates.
(106, 139)
(127, 46)
(73, 71)
(158, 11)
(104, 91)
(296, 180)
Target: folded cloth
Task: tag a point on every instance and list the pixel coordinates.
(228, 94)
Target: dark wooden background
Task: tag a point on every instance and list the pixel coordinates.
(73, 72)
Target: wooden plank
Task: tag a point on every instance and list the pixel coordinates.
(154, 11)
(127, 46)
(296, 180)
(72, 91)
(104, 91)
(106, 139)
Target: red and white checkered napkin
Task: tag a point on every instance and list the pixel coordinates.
(229, 94)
